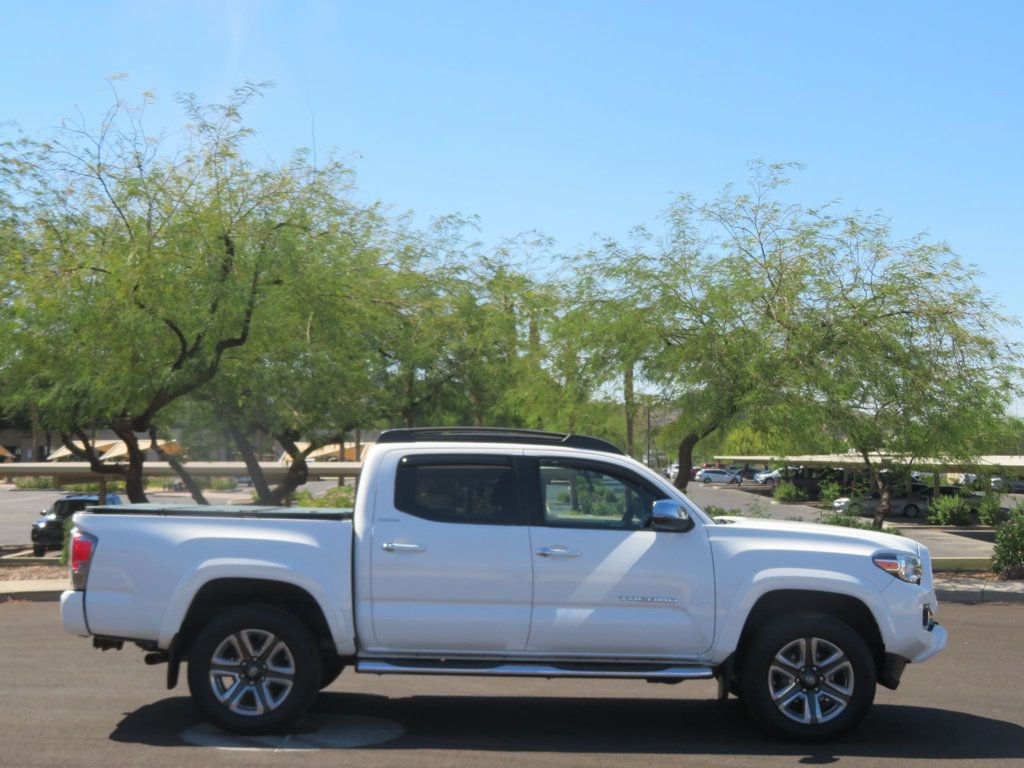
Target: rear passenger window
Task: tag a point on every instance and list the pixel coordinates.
(457, 490)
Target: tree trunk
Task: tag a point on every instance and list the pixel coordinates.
(179, 469)
(685, 459)
(629, 397)
(135, 485)
(252, 463)
(884, 491)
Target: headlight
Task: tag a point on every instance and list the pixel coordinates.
(904, 567)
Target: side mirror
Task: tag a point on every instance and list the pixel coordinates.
(670, 515)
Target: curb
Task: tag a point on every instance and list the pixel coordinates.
(977, 591)
(34, 596)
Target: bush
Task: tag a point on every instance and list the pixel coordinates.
(949, 510)
(1008, 555)
(222, 484)
(33, 483)
(850, 521)
(829, 492)
(788, 493)
(340, 496)
(990, 510)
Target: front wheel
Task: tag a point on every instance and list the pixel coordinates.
(911, 510)
(808, 677)
(255, 669)
(38, 550)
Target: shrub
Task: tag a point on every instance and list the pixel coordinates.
(33, 483)
(990, 510)
(222, 484)
(340, 496)
(788, 493)
(1008, 555)
(949, 510)
(850, 521)
(829, 492)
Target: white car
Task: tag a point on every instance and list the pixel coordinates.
(503, 552)
(717, 475)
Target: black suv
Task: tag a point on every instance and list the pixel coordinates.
(48, 530)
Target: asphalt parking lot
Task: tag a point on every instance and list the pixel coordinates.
(65, 703)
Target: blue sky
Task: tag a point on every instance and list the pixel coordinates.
(580, 117)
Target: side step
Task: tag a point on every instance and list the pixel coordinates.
(526, 669)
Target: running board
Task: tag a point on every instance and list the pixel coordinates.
(505, 669)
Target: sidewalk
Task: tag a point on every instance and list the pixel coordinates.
(949, 590)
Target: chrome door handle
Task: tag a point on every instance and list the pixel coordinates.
(392, 546)
(558, 552)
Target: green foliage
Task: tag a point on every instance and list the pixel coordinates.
(1008, 555)
(788, 493)
(949, 510)
(341, 496)
(65, 555)
(849, 521)
(33, 483)
(990, 510)
(828, 492)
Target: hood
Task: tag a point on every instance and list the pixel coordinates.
(817, 534)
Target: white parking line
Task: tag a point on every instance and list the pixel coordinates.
(18, 498)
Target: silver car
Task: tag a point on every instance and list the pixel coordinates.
(716, 475)
(906, 506)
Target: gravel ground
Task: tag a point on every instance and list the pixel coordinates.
(27, 572)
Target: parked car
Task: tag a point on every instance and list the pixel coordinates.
(718, 475)
(769, 477)
(1008, 485)
(901, 505)
(48, 530)
(503, 552)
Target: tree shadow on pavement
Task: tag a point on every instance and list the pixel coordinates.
(613, 726)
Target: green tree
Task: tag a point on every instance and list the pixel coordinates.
(136, 262)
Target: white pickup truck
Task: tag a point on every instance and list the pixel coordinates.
(504, 552)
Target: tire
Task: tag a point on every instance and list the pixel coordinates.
(911, 510)
(808, 677)
(255, 669)
(330, 668)
(706, 480)
(38, 550)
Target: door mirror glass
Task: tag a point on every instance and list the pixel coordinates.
(670, 515)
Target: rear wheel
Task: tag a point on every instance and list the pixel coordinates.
(254, 669)
(808, 677)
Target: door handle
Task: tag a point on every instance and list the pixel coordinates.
(558, 552)
(392, 546)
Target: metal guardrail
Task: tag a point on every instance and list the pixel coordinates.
(73, 471)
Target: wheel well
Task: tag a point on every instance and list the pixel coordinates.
(849, 610)
(216, 596)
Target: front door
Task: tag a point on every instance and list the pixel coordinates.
(605, 584)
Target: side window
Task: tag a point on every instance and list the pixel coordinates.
(457, 490)
(583, 496)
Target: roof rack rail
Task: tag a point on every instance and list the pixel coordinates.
(496, 435)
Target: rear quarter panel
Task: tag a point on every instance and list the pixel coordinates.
(148, 568)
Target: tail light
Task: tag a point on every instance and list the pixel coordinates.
(83, 546)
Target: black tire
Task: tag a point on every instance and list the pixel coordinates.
(911, 510)
(269, 664)
(808, 677)
(330, 668)
(38, 550)
(705, 480)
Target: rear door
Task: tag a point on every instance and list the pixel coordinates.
(606, 584)
(450, 555)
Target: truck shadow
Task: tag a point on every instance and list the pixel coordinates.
(611, 726)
